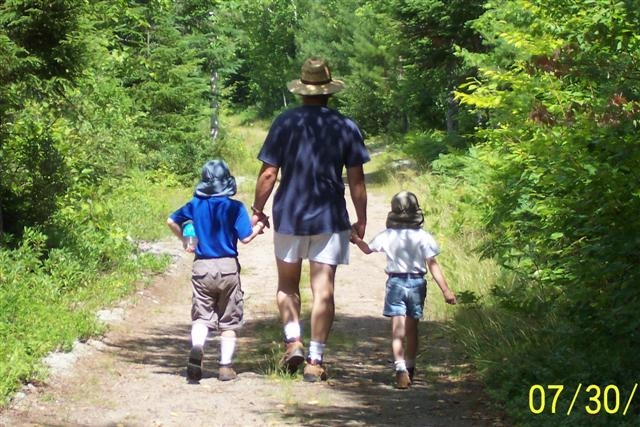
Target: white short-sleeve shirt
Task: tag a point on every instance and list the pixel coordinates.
(407, 249)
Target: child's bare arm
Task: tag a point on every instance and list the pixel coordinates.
(357, 240)
(175, 228)
(438, 276)
(257, 229)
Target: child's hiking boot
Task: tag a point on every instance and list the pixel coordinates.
(226, 373)
(314, 371)
(194, 365)
(293, 356)
(411, 371)
(402, 379)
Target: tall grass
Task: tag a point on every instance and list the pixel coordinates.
(52, 284)
(512, 338)
(49, 299)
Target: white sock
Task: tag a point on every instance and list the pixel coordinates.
(400, 366)
(316, 350)
(199, 332)
(292, 331)
(227, 349)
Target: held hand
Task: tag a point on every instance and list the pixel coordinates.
(261, 226)
(358, 228)
(354, 238)
(260, 217)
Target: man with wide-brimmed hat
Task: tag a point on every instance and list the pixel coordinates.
(310, 146)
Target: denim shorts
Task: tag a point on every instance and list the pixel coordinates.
(405, 297)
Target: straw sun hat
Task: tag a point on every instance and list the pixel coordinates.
(315, 79)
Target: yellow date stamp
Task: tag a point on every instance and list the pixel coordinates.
(593, 399)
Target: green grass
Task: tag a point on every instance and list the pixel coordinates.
(49, 295)
(141, 205)
(53, 306)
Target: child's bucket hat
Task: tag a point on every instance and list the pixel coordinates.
(405, 211)
(216, 180)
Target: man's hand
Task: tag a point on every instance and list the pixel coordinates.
(358, 228)
(260, 217)
(354, 237)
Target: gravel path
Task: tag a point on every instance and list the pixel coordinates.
(135, 375)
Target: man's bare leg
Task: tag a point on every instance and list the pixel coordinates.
(323, 307)
(288, 299)
(288, 295)
(322, 315)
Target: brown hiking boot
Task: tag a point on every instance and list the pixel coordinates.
(314, 372)
(226, 373)
(402, 379)
(293, 356)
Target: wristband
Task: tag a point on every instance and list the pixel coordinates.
(256, 210)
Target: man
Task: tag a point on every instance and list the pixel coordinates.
(310, 146)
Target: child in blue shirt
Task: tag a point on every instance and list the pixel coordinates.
(217, 302)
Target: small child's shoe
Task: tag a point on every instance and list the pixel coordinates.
(227, 373)
(402, 379)
(194, 365)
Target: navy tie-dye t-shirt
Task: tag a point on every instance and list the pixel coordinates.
(312, 145)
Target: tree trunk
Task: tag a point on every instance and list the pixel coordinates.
(452, 115)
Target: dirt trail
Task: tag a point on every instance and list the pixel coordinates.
(135, 376)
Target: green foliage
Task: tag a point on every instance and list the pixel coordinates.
(425, 147)
(373, 77)
(131, 200)
(397, 57)
(48, 296)
(39, 58)
(85, 103)
(561, 195)
(48, 32)
(262, 33)
(432, 31)
(162, 71)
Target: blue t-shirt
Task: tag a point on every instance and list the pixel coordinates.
(218, 221)
(312, 145)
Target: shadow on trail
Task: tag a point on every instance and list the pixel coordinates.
(360, 388)
(166, 349)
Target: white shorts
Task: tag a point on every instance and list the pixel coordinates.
(327, 248)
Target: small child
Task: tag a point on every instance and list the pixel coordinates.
(217, 302)
(410, 251)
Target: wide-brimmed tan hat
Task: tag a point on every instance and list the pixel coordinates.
(405, 211)
(315, 79)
